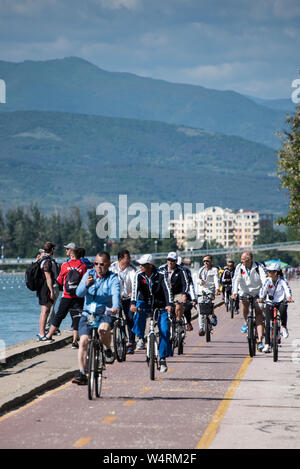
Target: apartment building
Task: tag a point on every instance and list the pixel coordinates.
(227, 227)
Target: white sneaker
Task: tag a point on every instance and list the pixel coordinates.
(163, 366)
(140, 345)
(266, 348)
(284, 332)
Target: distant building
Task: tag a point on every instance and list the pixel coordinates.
(227, 227)
(266, 220)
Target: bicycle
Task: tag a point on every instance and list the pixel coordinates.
(152, 343)
(206, 309)
(251, 326)
(177, 332)
(275, 337)
(95, 359)
(120, 338)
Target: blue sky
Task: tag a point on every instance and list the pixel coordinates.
(250, 46)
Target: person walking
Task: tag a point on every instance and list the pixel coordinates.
(69, 300)
(46, 292)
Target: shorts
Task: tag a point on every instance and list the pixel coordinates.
(85, 329)
(44, 295)
(177, 298)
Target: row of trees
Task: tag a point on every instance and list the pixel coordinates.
(23, 231)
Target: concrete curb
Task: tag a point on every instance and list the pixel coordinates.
(33, 393)
(31, 349)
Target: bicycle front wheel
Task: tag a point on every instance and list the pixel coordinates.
(91, 369)
(180, 333)
(152, 357)
(251, 338)
(275, 341)
(207, 328)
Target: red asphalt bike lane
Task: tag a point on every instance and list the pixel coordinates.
(134, 412)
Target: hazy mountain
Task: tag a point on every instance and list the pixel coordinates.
(77, 86)
(64, 159)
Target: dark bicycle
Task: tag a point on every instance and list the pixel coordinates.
(251, 325)
(206, 309)
(275, 324)
(177, 332)
(95, 359)
(120, 337)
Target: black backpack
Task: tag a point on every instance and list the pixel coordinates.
(34, 276)
(73, 279)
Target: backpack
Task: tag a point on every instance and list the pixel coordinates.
(73, 279)
(34, 276)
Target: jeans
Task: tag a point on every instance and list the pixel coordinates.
(140, 318)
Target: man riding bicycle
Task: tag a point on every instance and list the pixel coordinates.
(178, 280)
(248, 279)
(226, 281)
(101, 291)
(151, 289)
(208, 286)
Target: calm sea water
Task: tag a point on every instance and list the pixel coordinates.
(20, 311)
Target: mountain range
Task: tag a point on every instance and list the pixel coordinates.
(74, 134)
(63, 159)
(77, 86)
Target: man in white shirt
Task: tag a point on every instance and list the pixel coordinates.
(126, 271)
(248, 279)
(209, 284)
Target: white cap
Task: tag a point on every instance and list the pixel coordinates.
(274, 266)
(70, 246)
(172, 255)
(145, 259)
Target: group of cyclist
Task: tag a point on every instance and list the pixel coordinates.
(169, 289)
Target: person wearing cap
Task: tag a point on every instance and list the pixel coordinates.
(189, 300)
(276, 292)
(179, 282)
(248, 279)
(126, 271)
(69, 248)
(208, 283)
(47, 293)
(69, 300)
(151, 289)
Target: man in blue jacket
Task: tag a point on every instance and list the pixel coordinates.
(101, 291)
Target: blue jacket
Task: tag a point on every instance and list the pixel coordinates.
(105, 292)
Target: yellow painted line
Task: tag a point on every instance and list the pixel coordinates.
(81, 442)
(145, 389)
(129, 403)
(170, 370)
(35, 401)
(195, 349)
(212, 428)
(108, 420)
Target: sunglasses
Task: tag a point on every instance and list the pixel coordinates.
(207, 260)
(99, 263)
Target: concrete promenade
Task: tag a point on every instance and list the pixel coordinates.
(260, 408)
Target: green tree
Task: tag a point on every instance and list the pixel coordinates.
(289, 168)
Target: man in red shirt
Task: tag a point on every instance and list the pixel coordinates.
(69, 300)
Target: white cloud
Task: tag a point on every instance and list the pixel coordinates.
(117, 4)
